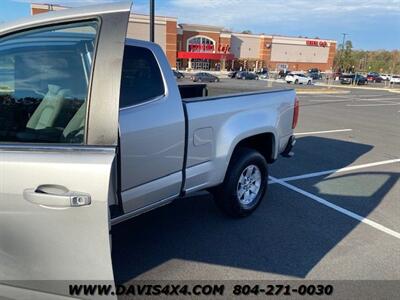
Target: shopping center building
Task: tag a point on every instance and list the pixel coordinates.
(205, 47)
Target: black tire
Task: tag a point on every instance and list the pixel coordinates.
(296, 81)
(226, 195)
(309, 82)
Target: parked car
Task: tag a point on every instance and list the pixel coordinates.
(395, 79)
(178, 75)
(315, 75)
(314, 70)
(204, 77)
(374, 77)
(353, 78)
(386, 77)
(337, 75)
(263, 74)
(298, 78)
(283, 73)
(232, 74)
(246, 75)
(342, 75)
(83, 161)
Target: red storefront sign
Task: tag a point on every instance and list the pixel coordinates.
(208, 48)
(317, 43)
(205, 55)
(207, 51)
(224, 48)
(201, 47)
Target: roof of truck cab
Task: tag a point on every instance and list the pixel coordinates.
(137, 41)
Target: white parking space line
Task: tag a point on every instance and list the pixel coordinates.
(338, 208)
(330, 100)
(341, 170)
(320, 132)
(325, 96)
(375, 95)
(378, 99)
(380, 104)
(382, 100)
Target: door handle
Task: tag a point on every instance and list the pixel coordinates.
(56, 196)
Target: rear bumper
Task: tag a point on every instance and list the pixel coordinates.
(288, 152)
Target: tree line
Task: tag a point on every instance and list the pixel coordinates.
(382, 61)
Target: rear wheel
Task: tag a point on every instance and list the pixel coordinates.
(309, 82)
(296, 81)
(245, 184)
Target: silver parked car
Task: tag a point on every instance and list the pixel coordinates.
(204, 77)
(94, 132)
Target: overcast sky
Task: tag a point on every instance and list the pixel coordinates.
(371, 24)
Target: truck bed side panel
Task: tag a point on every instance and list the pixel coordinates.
(217, 125)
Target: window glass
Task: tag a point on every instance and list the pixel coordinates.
(44, 78)
(141, 77)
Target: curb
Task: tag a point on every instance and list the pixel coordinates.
(359, 87)
(394, 91)
(317, 92)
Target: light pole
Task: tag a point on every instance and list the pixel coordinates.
(342, 52)
(344, 39)
(152, 4)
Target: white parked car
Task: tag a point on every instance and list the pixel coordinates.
(385, 77)
(395, 79)
(298, 78)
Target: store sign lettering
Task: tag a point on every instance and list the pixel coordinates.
(201, 47)
(317, 43)
(209, 48)
(224, 48)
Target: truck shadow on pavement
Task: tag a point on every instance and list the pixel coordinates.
(288, 235)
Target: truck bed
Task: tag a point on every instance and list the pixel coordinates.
(217, 123)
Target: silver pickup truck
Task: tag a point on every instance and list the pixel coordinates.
(93, 131)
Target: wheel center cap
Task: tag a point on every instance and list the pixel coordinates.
(248, 186)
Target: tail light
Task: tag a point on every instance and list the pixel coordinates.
(295, 112)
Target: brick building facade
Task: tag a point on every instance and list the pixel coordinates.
(138, 28)
(205, 47)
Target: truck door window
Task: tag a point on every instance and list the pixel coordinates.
(44, 78)
(141, 77)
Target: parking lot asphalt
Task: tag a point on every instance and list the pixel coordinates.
(331, 213)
